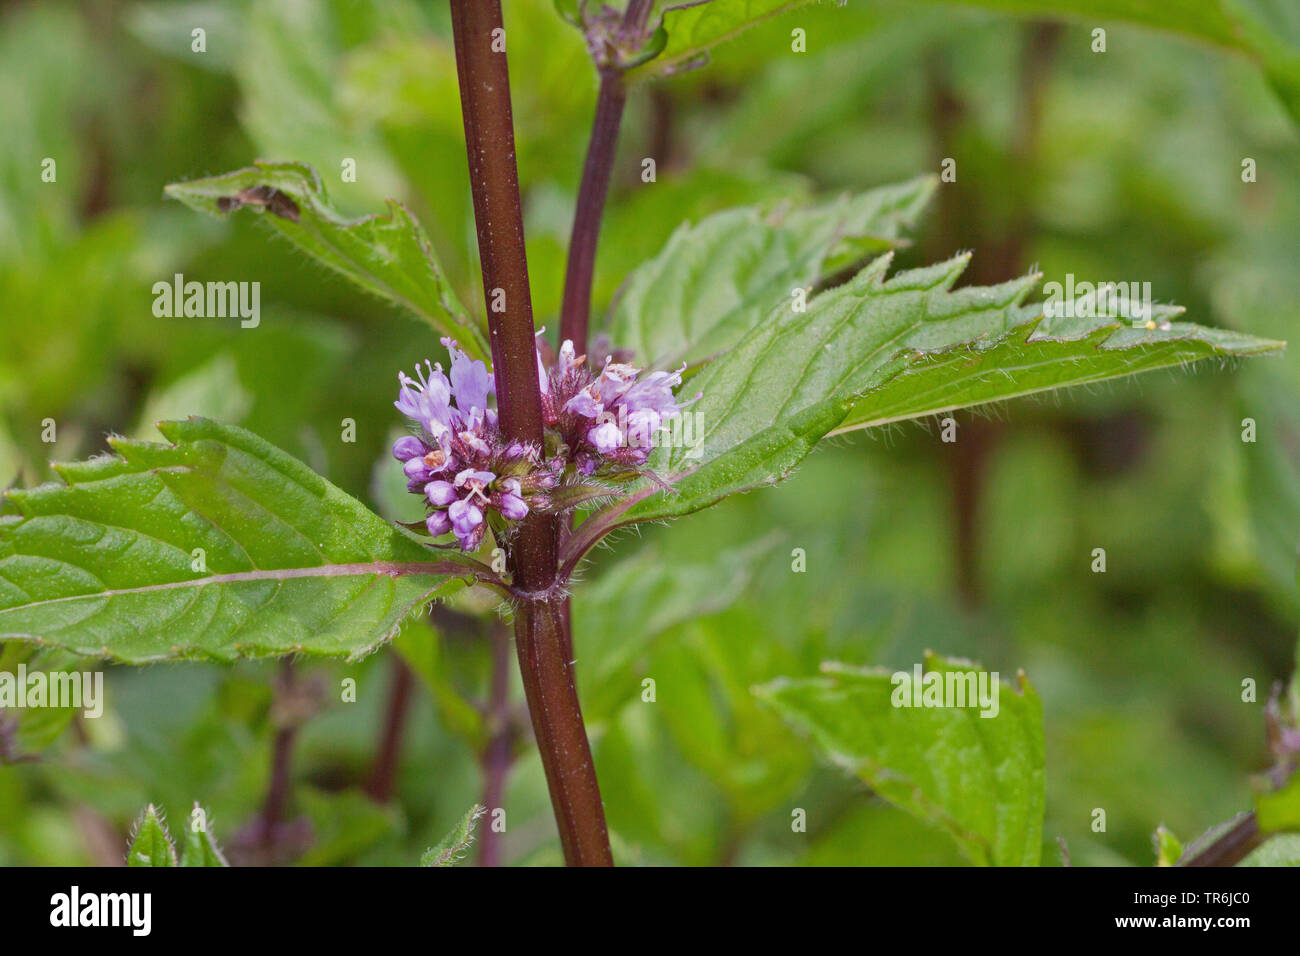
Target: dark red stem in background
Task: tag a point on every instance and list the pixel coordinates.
(575, 312)
(277, 791)
(539, 635)
(383, 776)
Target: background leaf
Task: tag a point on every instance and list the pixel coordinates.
(712, 282)
(618, 616)
(694, 30)
(978, 778)
(1279, 810)
(388, 255)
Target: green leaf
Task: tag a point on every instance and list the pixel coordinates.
(840, 365)
(1168, 847)
(1268, 31)
(620, 614)
(883, 835)
(570, 11)
(151, 845)
(712, 282)
(345, 825)
(420, 645)
(212, 390)
(1279, 810)
(30, 730)
(1053, 354)
(980, 779)
(200, 849)
(388, 255)
(708, 672)
(453, 847)
(217, 546)
(1281, 850)
(694, 30)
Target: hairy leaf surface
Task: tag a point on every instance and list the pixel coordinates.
(151, 844)
(217, 546)
(453, 847)
(875, 350)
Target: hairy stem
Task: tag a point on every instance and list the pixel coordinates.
(561, 736)
(1228, 848)
(490, 145)
(539, 635)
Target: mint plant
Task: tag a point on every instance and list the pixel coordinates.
(748, 340)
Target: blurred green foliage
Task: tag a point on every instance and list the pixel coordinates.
(1124, 165)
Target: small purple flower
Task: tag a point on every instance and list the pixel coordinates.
(585, 403)
(416, 470)
(426, 400)
(467, 523)
(408, 447)
(440, 493)
(606, 437)
(476, 481)
(438, 523)
(510, 502)
(471, 383)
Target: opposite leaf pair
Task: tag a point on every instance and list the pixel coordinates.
(151, 844)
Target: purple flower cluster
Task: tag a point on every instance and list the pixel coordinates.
(458, 462)
(608, 418)
(602, 424)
